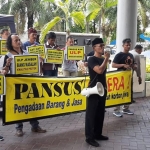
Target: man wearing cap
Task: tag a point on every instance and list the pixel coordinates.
(96, 104)
(32, 35)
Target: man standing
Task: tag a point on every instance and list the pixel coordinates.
(136, 54)
(4, 34)
(32, 35)
(95, 108)
(69, 67)
(48, 68)
(124, 61)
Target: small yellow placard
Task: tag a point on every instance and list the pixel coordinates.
(55, 56)
(37, 49)
(26, 64)
(75, 52)
(3, 49)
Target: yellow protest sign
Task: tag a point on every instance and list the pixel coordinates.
(2, 84)
(26, 64)
(3, 49)
(54, 56)
(37, 49)
(75, 52)
(41, 97)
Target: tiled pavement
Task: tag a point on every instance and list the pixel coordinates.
(67, 132)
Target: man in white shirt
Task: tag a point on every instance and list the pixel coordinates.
(136, 53)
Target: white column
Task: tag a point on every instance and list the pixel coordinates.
(126, 22)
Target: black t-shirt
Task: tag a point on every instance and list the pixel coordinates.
(94, 77)
(89, 54)
(124, 58)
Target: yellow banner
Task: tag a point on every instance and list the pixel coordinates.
(2, 84)
(37, 49)
(26, 64)
(36, 97)
(75, 52)
(55, 56)
(3, 49)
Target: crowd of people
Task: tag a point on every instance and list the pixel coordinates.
(97, 66)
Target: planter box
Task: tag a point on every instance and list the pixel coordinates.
(147, 87)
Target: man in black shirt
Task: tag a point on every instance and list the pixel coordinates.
(124, 61)
(95, 104)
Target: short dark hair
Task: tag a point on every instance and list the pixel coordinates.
(127, 40)
(138, 47)
(51, 35)
(3, 30)
(69, 37)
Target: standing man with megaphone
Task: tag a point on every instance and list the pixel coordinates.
(95, 109)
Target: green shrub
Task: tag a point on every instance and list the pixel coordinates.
(147, 77)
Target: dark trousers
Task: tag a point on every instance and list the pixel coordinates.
(34, 124)
(94, 118)
(50, 73)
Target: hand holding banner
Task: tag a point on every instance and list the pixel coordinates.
(75, 52)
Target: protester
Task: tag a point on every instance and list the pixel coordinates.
(136, 54)
(95, 104)
(48, 68)
(4, 34)
(124, 61)
(4, 73)
(14, 47)
(32, 35)
(69, 67)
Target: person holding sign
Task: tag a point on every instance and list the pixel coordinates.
(124, 61)
(14, 46)
(4, 73)
(69, 67)
(95, 108)
(32, 34)
(48, 68)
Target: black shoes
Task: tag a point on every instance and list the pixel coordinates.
(1, 138)
(92, 142)
(102, 138)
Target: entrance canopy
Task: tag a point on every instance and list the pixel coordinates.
(8, 20)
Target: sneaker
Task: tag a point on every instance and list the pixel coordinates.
(38, 129)
(1, 138)
(118, 114)
(19, 133)
(127, 112)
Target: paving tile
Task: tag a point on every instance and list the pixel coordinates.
(131, 132)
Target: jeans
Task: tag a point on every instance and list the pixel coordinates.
(126, 107)
(34, 124)
(50, 73)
